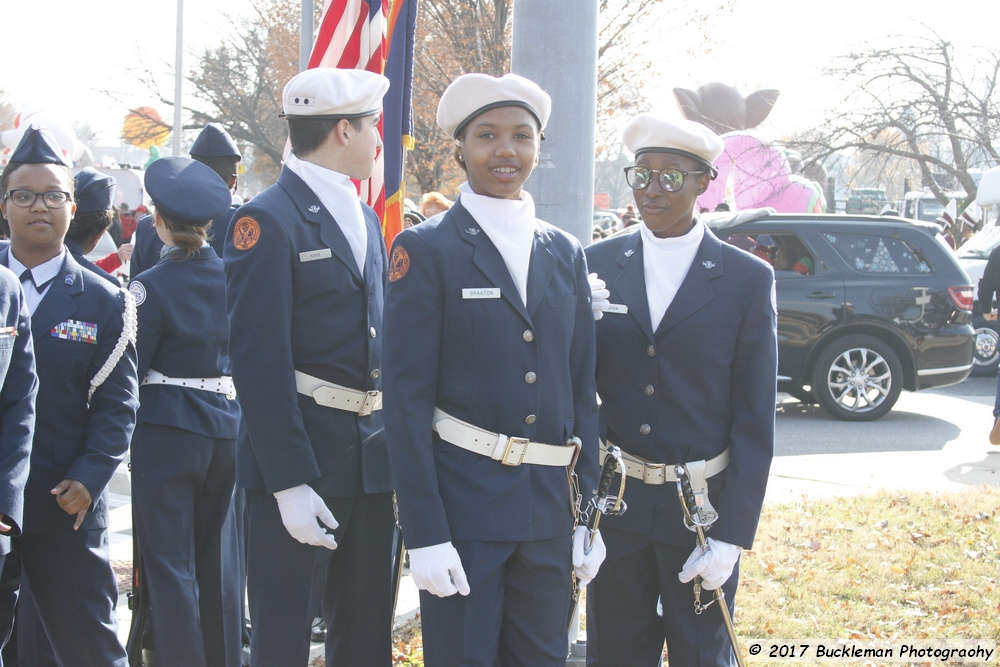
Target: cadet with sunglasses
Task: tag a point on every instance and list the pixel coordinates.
(686, 370)
(83, 331)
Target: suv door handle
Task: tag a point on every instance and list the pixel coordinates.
(821, 295)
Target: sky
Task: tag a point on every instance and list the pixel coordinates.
(67, 53)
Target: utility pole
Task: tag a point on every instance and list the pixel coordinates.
(306, 34)
(178, 78)
(556, 48)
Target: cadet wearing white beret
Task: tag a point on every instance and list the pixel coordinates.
(686, 372)
(489, 372)
(305, 271)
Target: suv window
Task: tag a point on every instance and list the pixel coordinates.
(785, 252)
(871, 253)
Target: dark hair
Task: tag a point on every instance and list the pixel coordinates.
(85, 226)
(5, 181)
(307, 135)
(186, 236)
(224, 165)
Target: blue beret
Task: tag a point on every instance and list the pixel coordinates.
(38, 146)
(214, 141)
(187, 191)
(94, 191)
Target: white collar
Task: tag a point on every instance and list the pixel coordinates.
(673, 243)
(40, 274)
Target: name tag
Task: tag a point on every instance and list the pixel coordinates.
(313, 255)
(485, 293)
(619, 308)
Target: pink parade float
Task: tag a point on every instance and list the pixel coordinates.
(753, 173)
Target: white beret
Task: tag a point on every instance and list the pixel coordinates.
(648, 132)
(472, 94)
(327, 92)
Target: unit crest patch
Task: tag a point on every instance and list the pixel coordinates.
(399, 263)
(138, 292)
(246, 233)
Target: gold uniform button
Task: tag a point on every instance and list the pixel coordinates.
(651, 351)
(371, 332)
(530, 419)
(528, 335)
(530, 377)
(649, 390)
(375, 373)
(644, 429)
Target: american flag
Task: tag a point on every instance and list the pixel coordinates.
(352, 36)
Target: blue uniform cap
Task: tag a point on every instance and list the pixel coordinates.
(94, 191)
(187, 191)
(38, 146)
(214, 141)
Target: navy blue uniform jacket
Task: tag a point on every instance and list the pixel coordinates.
(17, 403)
(298, 302)
(184, 333)
(703, 381)
(73, 440)
(470, 357)
(148, 245)
(77, 252)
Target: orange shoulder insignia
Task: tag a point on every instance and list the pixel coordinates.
(399, 263)
(246, 233)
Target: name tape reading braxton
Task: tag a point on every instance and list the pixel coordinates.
(766, 651)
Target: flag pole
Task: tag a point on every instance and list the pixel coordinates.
(178, 78)
(306, 36)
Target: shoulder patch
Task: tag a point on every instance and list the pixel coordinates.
(138, 292)
(399, 263)
(246, 233)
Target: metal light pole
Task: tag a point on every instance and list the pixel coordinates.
(306, 34)
(178, 78)
(557, 49)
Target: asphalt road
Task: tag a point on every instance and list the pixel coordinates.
(921, 421)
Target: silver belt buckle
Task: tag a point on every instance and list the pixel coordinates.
(368, 403)
(509, 449)
(650, 472)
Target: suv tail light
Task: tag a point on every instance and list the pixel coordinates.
(962, 296)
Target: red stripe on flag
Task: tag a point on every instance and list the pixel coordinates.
(326, 31)
(351, 57)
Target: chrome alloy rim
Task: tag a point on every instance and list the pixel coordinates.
(986, 345)
(859, 379)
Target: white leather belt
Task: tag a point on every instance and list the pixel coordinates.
(222, 385)
(507, 450)
(332, 395)
(661, 473)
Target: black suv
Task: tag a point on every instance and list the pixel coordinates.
(867, 306)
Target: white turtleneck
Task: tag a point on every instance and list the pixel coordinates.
(510, 224)
(340, 197)
(666, 263)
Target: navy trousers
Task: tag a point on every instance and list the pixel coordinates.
(515, 614)
(74, 591)
(357, 604)
(622, 624)
(182, 490)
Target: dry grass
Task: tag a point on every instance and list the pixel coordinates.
(893, 567)
(878, 567)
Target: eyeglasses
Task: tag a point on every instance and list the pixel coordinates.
(27, 198)
(671, 180)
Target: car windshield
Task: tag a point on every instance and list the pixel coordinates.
(981, 245)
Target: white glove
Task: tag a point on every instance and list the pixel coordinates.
(715, 566)
(599, 296)
(585, 563)
(300, 509)
(438, 570)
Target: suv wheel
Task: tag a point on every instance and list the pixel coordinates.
(986, 355)
(857, 378)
